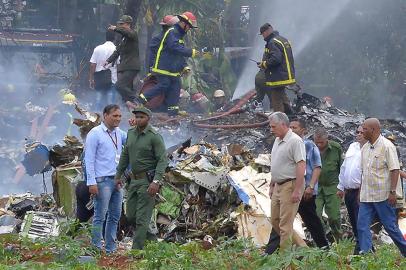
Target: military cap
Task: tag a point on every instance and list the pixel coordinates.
(264, 27)
(125, 19)
(142, 109)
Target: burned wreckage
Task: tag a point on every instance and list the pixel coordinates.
(216, 184)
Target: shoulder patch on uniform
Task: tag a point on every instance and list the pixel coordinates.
(153, 130)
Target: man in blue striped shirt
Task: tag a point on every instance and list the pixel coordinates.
(307, 206)
(102, 153)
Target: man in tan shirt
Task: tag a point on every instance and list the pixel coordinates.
(288, 164)
(380, 174)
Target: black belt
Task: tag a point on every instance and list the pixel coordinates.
(351, 189)
(285, 181)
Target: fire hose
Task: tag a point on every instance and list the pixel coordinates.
(236, 126)
(233, 110)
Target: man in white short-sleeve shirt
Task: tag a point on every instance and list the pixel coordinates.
(103, 79)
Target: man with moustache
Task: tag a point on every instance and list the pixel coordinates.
(102, 153)
(380, 174)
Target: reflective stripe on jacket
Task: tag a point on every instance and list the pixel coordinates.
(170, 58)
(280, 70)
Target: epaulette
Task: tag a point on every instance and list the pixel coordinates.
(153, 130)
(335, 144)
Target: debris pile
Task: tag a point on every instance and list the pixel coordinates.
(340, 124)
(31, 216)
(9, 11)
(207, 189)
(215, 186)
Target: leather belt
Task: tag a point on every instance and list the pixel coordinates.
(141, 175)
(285, 181)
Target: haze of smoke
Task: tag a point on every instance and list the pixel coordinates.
(298, 21)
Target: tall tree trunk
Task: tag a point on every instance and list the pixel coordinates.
(132, 8)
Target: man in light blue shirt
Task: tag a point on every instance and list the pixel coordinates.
(102, 153)
(307, 206)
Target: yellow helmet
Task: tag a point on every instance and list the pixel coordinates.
(69, 99)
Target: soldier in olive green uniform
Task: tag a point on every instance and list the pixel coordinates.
(146, 154)
(331, 159)
(128, 52)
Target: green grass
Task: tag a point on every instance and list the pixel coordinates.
(62, 252)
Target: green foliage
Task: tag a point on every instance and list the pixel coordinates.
(52, 253)
(228, 254)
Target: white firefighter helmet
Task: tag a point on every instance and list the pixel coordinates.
(219, 93)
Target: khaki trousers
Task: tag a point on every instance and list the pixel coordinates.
(283, 212)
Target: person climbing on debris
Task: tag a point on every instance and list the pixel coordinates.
(277, 64)
(219, 101)
(288, 166)
(331, 159)
(167, 22)
(145, 152)
(350, 182)
(307, 206)
(380, 175)
(128, 52)
(170, 64)
(102, 153)
(199, 103)
(151, 80)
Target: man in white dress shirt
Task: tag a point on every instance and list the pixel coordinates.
(350, 181)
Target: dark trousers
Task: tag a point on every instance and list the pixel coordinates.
(170, 87)
(140, 206)
(273, 243)
(280, 101)
(352, 203)
(125, 84)
(307, 210)
(260, 87)
(82, 198)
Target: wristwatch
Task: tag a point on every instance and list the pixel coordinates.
(392, 192)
